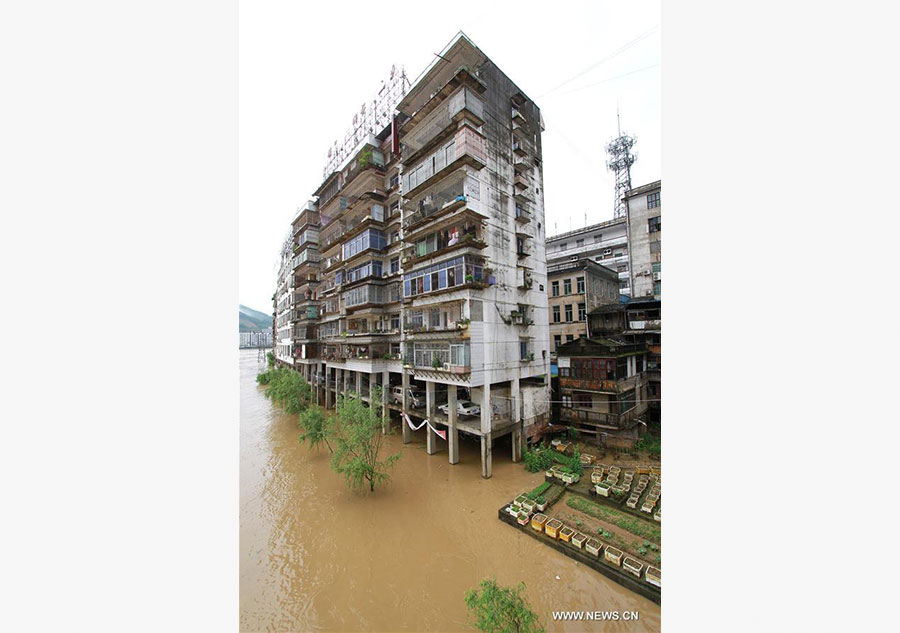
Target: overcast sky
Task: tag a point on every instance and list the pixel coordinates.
(305, 69)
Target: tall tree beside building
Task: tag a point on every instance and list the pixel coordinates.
(357, 442)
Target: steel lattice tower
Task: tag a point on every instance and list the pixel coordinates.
(620, 161)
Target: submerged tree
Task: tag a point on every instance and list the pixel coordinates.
(356, 439)
(317, 427)
(287, 388)
(497, 609)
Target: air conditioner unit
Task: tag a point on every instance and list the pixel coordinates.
(446, 366)
(656, 276)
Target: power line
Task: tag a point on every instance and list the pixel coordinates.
(608, 79)
(615, 53)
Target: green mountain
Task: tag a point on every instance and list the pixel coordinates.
(251, 320)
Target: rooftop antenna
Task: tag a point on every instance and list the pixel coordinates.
(620, 161)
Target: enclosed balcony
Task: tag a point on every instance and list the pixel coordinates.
(430, 211)
(467, 147)
(455, 233)
(425, 130)
(455, 273)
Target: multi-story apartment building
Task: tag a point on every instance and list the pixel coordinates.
(575, 288)
(420, 267)
(605, 243)
(644, 213)
(283, 307)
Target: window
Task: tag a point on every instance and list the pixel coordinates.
(623, 283)
(657, 287)
(395, 265)
(369, 269)
(567, 286)
(562, 246)
(657, 267)
(579, 243)
(569, 338)
(395, 208)
(582, 312)
(556, 314)
(395, 180)
(395, 237)
(395, 322)
(654, 224)
(653, 200)
(523, 350)
(557, 341)
(579, 285)
(372, 238)
(622, 268)
(567, 402)
(446, 274)
(568, 313)
(554, 289)
(598, 238)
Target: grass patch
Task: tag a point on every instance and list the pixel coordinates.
(633, 525)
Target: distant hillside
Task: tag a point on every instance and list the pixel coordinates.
(253, 321)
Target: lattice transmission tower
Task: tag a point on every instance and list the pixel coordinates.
(620, 161)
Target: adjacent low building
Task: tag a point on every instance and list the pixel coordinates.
(644, 214)
(605, 243)
(574, 289)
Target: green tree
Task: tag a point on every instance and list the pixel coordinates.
(497, 609)
(356, 439)
(317, 427)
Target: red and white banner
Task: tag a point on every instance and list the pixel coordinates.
(440, 433)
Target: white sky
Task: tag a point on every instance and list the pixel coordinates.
(306, 68)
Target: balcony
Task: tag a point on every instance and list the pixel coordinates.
(521, 182)
(518, 148)
(468, 148)
(517, 116)
(522, 215)
(598, 418)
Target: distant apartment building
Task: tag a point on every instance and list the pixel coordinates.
(644, 214)
(420, 266)
(283, 311)
(605, 243)
(574, 289)
(256, 339)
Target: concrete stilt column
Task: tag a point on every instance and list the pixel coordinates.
(516, 438)
(386, 394)
(486, 460)
(431, 438)
(452, 432)
(407, 432)
(359, 393)
(338, 384)
(486, 437)
(515, 412)
(328, 380)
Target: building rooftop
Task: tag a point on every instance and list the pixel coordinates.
(586, 229)
(642, 189)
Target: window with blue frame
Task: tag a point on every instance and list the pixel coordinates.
(371, 268)
(447, 274)
(371, 238)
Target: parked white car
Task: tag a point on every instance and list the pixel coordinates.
(415, 399)
(463, 407)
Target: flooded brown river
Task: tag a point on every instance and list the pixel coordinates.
(316, 557)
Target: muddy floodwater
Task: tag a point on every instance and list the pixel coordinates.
(316, 557)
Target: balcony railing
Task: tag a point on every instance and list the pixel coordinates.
(590, 416)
